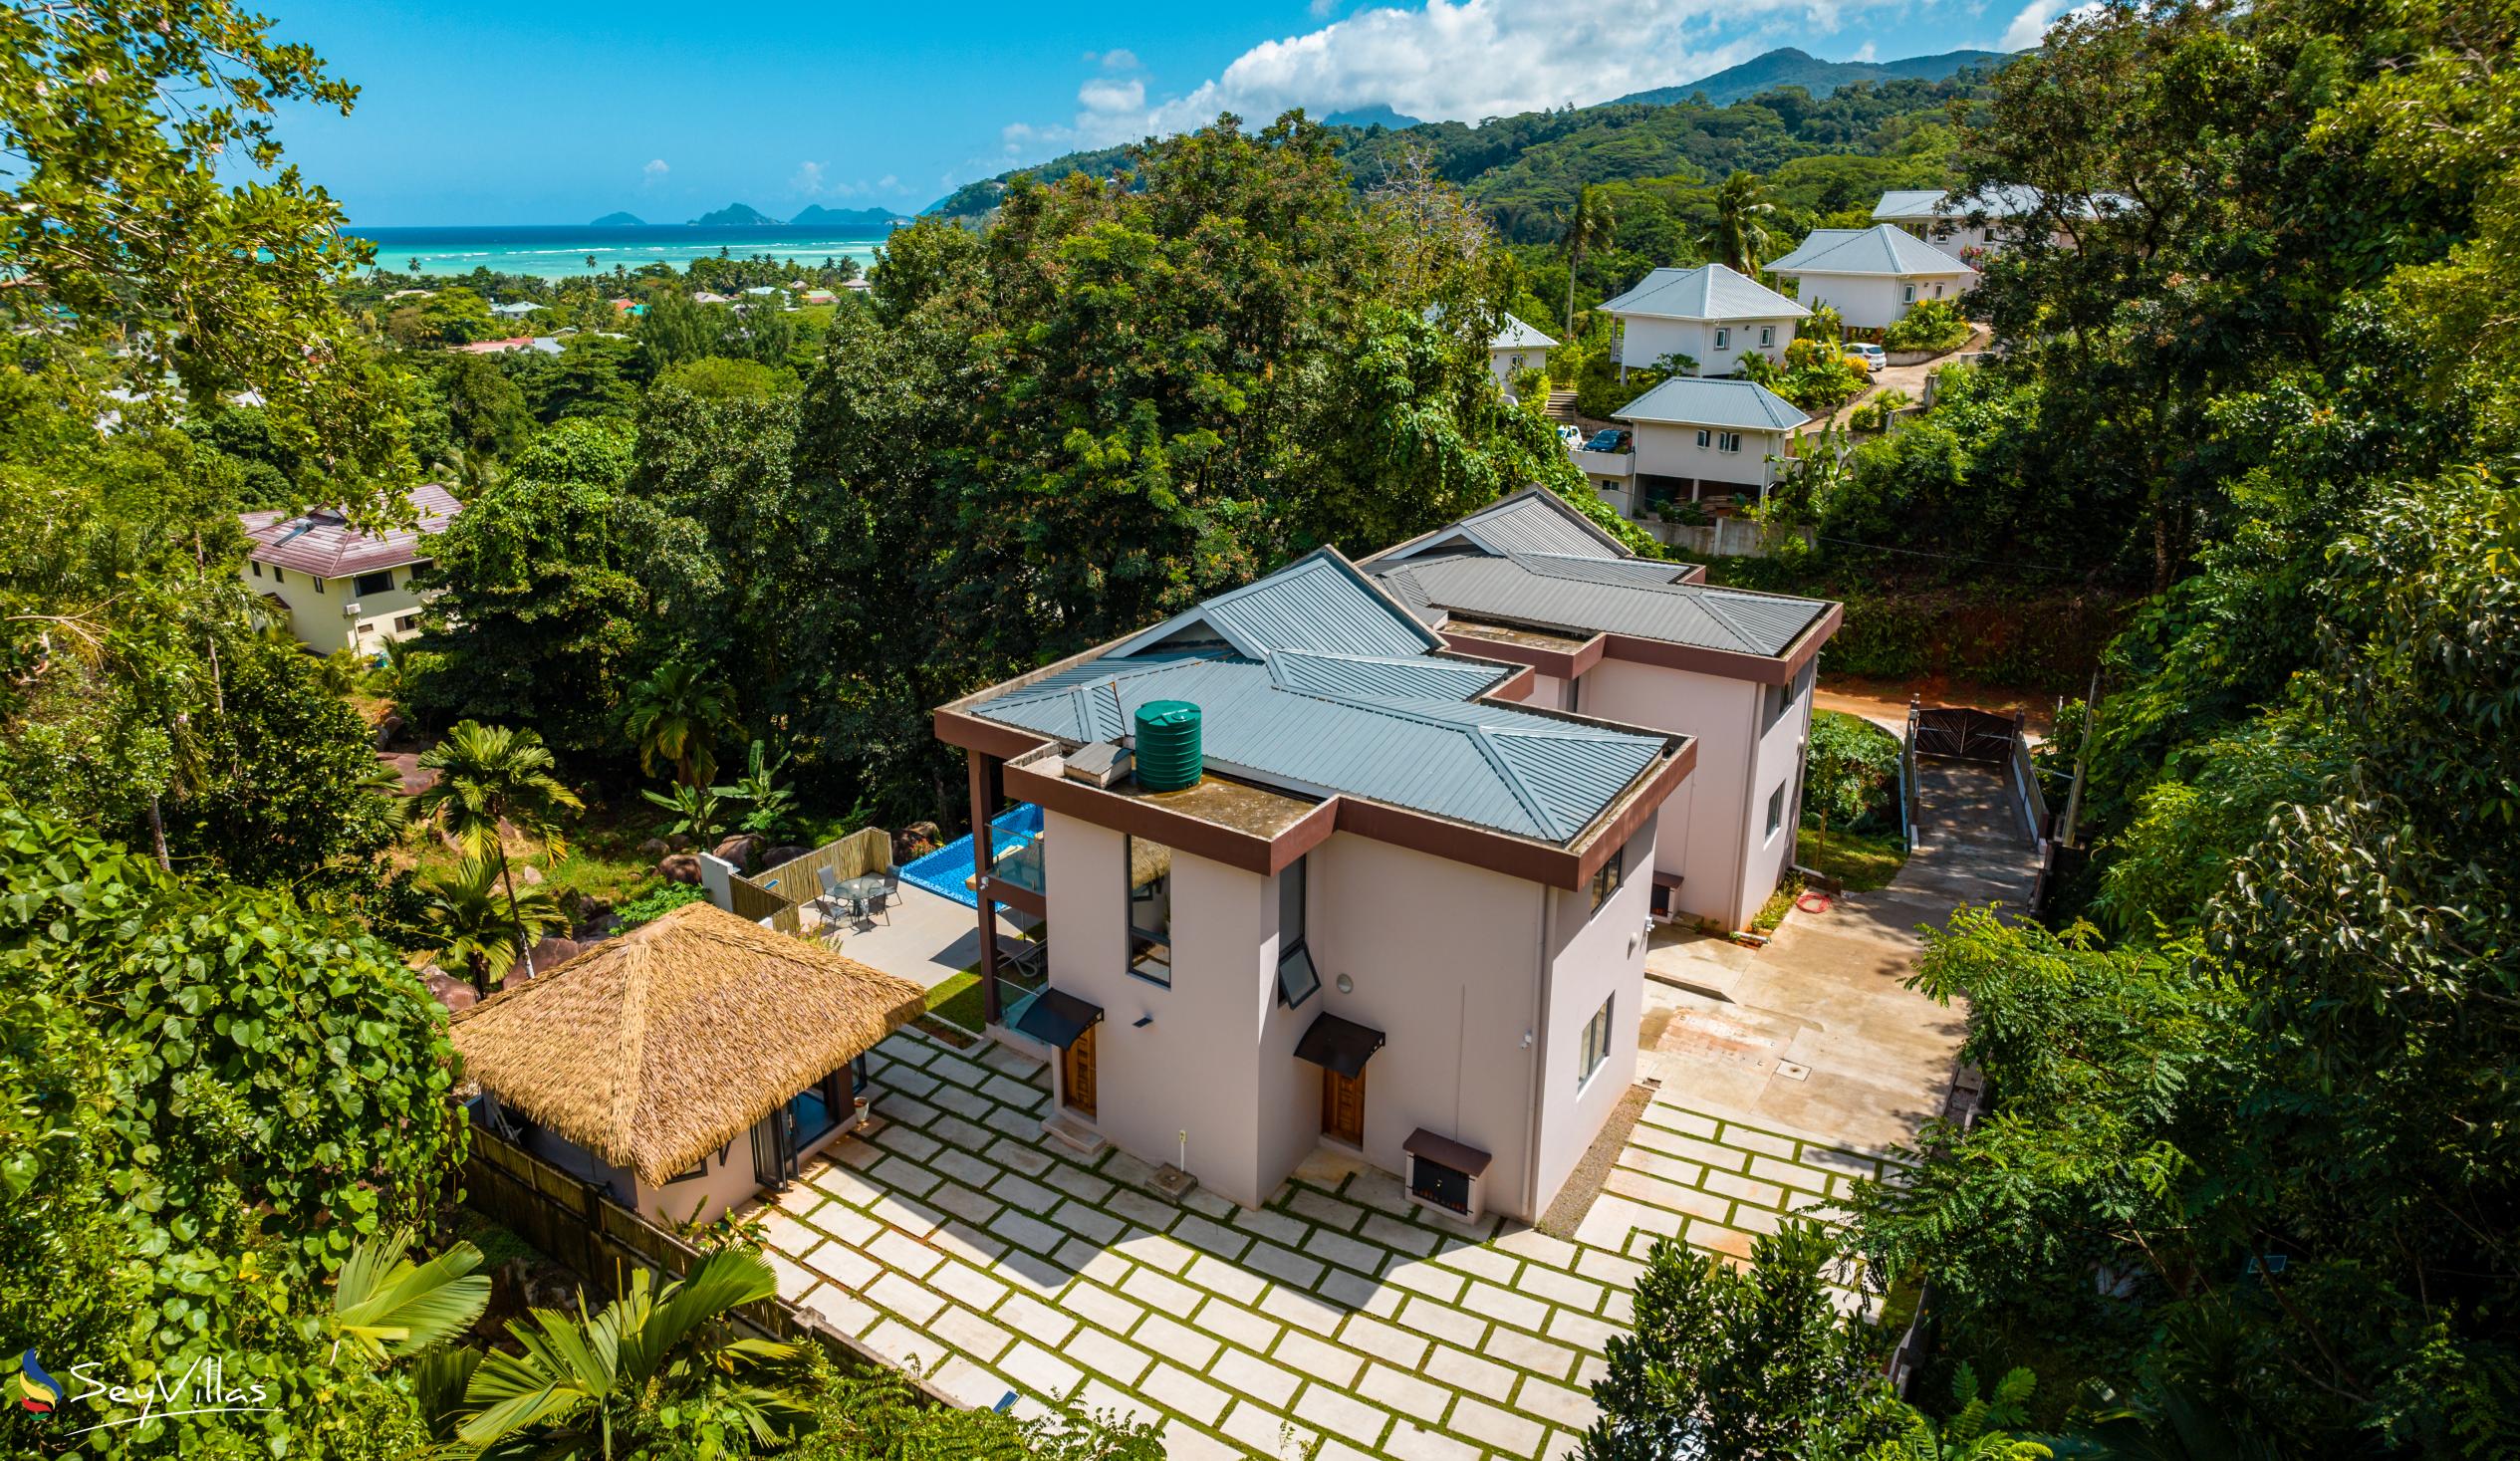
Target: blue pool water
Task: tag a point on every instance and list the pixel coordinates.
(945, 870)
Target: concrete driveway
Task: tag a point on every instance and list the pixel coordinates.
(1815, 1034)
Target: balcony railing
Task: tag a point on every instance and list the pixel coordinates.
(1022, 869)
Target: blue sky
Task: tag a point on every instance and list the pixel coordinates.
(515, 113)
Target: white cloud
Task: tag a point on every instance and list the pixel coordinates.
(1460, 60)
(2030, 27)
(808, 179)
(657, 169)
(887, 182)
(1867, 52)
(1323, 8)
(1103, 94)
(1119, 58)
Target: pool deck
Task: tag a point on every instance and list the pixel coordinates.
(929, 939)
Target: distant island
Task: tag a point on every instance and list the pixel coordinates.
(816, 213)
(735, 215)
(1787, 67)
(1374, 116)
(618, 220)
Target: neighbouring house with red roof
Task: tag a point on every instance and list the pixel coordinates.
(335, 587)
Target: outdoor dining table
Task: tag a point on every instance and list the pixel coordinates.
(856, 892)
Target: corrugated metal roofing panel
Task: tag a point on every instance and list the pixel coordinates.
(1651, 573)
(1315, 602)
(1707, 292)
(1513, 334)
(1354, 676)
(1881, 249)
(1677, 613)
(1691, 401)
(1527, 524)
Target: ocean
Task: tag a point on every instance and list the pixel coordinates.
(552, 251)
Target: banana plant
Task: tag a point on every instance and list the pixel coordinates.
(655, 1362)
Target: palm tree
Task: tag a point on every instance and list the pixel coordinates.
(1591, 226)
(470, 923)
(489, 773)
(1739, 235)
(584, 1386)
(388, 1308)
(677, 715)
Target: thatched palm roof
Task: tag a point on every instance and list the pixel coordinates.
(656, 1048)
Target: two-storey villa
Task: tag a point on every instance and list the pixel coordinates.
(1394, 908)
(339, 588)
(1872, 276)
(1711, 315)
(1395, 897)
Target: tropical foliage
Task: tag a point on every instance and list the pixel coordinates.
(215, 1095)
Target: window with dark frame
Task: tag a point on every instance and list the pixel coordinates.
(1595, 1043)
(373, 584)
(1606, 882)
(258, 570)
(1776, 809)
(1297, 980)
(1723, 338)
(1149, 908)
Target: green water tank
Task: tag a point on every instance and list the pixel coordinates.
(1167, 745)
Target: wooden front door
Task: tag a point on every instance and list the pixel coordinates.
(1075, 1074)
(1343, 1106)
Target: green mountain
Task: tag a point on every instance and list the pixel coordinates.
(1787, 67)
(618, 220)
(734, 215)
(1376, 114)
(1526, 170)
(816, 213)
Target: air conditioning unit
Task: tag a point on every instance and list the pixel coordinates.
(350, 611)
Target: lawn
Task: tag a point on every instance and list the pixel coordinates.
(1861, 861)
(958, 1000)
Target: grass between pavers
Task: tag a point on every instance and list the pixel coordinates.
(1088, 1271)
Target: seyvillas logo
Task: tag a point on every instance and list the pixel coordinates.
(37, 1391)
(201, 1388)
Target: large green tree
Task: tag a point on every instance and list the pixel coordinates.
(1158, 392)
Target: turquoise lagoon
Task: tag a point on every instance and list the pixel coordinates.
(560, 251)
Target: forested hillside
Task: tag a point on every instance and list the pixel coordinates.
(1526, 170)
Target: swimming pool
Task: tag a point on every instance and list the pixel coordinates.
(946, 871)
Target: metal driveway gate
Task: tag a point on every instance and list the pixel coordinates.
(1966, 735)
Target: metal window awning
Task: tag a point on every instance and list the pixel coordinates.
(1338, 1045)
(1058, 1016)
(1443, 1152)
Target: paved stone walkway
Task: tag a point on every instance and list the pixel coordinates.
(960, 1240)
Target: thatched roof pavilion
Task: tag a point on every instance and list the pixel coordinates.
(656, 1048)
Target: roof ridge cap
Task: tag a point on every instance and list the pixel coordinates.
(1505, 772)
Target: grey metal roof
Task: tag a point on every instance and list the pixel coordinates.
(1998, 200)
(1880, 249)
(1513, 334)
(1691, 401)
(1531, 521)
(1488, 765)
(1707, 292)
(1678, 614)
(1313, 681)
(1316, 602)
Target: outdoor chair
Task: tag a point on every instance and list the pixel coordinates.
(832, 902)
(880, 902)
